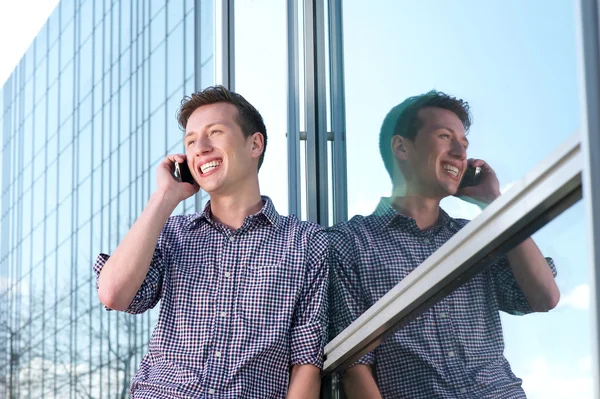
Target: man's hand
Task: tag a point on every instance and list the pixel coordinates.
(486, 191)
(166, 183)
(305, 382)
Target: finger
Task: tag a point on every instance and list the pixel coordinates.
(477, 163)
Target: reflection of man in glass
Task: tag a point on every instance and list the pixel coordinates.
(242, 289)
(454, 350)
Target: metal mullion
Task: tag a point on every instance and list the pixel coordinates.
(338, 111)
(225, 39)
(589, 50)
(293, 113)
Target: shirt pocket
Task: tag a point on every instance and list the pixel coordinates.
(268, 297)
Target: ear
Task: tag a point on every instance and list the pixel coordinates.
(258, 144)
(399, 147)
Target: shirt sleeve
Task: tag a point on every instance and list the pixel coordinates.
(308, 333)
(150, 291)
(346, 298)
(511, 298)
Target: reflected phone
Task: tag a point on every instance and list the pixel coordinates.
(472, 177)
(182, 173)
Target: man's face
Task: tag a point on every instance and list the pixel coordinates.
(437, 157)
(220, 158)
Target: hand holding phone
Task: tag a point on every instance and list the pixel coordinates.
(182, 173)
(471, 177)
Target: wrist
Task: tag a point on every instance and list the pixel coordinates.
(165, 199)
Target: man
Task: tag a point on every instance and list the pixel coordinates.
(455, 349)
(242, 289)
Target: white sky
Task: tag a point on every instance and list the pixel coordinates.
(20, 22)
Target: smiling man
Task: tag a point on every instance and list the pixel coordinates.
(242, 289)
(455, 349)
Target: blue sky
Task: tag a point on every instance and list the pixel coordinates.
(515, 62)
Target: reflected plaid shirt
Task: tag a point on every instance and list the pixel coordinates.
(455, 349)
(238, 308)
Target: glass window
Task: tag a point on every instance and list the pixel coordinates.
(52, 127)
(98, 12)
(126, 23)
(28, 137)
(175, 56)
(84, 201)
(29, 61)
(39, 125)
(37, 241)
(50, 227)
(125, 111)
(188, 54)
(65, 135)
(65, 210)
(125, 66)
(52, 183)
(173, 131)
(125, 165)
(265, 87)
(158, 132)
(85, 110)
(97, 135)
(174, 14)
(67, 40)
(27, 201)
(157, 77)
(98, 54)
(66, 93)
(85, 151)
(41, 45)
(53, 26)
(86, 65)
(53, 64)
(86, 19)
(41, 83)
(67, 10)
(65, 170)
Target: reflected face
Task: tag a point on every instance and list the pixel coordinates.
(220, 158)
(438, 156)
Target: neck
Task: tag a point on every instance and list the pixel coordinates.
(423, 209)
(231, 209)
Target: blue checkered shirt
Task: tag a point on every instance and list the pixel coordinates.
(455, 349)
(238, 308)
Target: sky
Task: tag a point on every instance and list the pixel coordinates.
(516, 64)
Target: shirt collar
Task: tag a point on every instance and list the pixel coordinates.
(267, 213)
(387, 216)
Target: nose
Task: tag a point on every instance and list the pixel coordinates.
(202, 146)
(458, 150)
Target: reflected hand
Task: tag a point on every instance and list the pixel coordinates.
(486, 191)
(167, 184)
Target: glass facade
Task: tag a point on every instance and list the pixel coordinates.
(87, 115)
(89, 112)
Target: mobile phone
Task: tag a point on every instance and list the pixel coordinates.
(472, 177)
(182, 173)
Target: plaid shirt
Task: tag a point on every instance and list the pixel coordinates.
(238, 309)
(455, 349)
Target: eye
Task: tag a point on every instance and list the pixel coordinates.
(213, 132)
(445, 135)
(190, 143)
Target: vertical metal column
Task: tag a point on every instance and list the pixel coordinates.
(293, 113)
(224, 43)
(338, 111)
(316, 112)
(589, 52)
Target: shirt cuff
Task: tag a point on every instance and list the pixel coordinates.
(306, 345)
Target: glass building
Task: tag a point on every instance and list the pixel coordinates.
(89, 112)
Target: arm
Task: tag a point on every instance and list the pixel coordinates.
(124, 272)
(531, 271)
(533, 276)
(305, 382)
(359, 383)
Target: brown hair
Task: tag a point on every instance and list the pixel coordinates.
(249, 119)
(403, 120)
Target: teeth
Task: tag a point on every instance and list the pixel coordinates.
(207, 167)
(451, 169)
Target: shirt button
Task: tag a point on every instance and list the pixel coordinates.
(443, 315)
(223, 314)
(231, 238)
(463, 390)
(426, 240)
(227, 274)
(217, 354)
(211, 391)
(451, 354)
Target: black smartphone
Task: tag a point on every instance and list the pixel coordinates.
(182, 173)
(472, 177)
